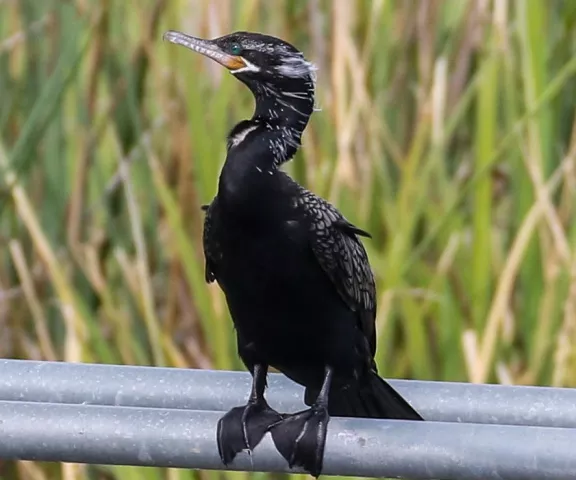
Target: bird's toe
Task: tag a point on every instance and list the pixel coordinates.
(300, 438)
(242, 428)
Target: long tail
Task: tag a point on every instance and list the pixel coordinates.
(371, 397)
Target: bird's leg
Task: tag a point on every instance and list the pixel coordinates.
(243, 427)
(301, 437)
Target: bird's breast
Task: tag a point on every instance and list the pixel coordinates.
(267, 262)
(279, 297)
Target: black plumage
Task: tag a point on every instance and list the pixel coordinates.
(295, 274)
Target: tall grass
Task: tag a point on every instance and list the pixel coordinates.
(446, 129)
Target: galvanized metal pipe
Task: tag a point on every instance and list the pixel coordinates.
(361, 447)
(76, 383)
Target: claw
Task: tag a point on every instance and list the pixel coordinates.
(242, 428)
(301, 438)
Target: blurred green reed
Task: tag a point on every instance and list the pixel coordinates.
(446, 129)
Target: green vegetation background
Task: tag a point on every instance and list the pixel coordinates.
(446, 129)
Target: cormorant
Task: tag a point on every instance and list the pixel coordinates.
(294, 273)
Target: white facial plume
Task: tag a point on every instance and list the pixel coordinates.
(295, 66)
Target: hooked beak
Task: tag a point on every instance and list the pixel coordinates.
(207, 48)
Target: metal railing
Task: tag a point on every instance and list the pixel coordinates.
(107, 414)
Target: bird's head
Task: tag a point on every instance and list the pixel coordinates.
(269, 66)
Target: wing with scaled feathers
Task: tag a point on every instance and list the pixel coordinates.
(342, 256)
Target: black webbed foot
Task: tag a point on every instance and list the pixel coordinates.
(242, 428)
(301, 437)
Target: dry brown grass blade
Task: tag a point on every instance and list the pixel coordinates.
(73, 317)
(480, 368)
(36, 309)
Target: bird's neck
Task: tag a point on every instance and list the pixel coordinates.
(259, 146)
(287, 112)
(283, 113)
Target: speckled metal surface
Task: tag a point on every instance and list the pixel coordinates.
(76, 383)
(370, 448)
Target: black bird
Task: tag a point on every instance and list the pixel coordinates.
(295, 275)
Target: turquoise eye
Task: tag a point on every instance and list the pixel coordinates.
(235, 49)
